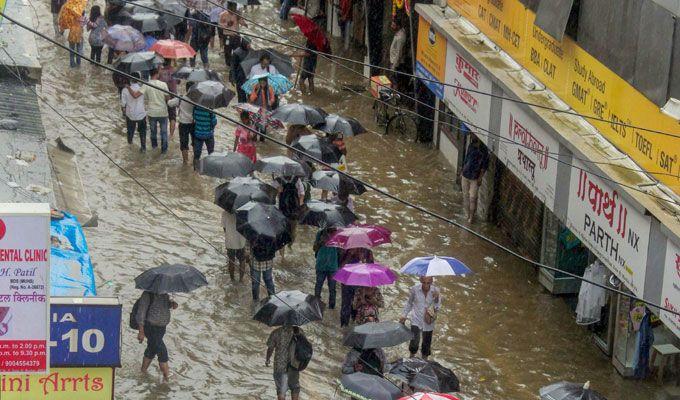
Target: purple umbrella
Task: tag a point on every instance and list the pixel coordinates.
(124, 38)
(370, 275)
(356, 236)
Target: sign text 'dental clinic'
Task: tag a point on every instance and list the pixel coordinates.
(24, 287)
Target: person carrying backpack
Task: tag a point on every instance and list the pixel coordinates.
(291, 199)
(151, 315)
(200, 34)
(283, 343)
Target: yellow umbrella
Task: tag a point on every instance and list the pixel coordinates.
(70, 13)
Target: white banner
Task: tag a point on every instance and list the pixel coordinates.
(471, 107)
(670, 290)
(24, 287)
(524, 147)
(616, 232)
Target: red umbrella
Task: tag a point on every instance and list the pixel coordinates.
(312, 32)
(173, 49)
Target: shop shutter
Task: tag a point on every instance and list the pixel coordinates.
(518, 213)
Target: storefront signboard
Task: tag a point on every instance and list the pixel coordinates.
(464, 98)
(584, 83)
(613, 230)
(24, 287)
(670, 290)
(60, 384)
(529, 152)
(431, 57)
(85, 332)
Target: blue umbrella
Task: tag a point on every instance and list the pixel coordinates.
(149, 40)
(435, 266)
(278, 82)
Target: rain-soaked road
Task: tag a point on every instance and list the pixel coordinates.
(499, 330)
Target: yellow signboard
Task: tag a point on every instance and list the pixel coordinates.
(59, 384)
(431, 56)
(3, 3)
(584, 83)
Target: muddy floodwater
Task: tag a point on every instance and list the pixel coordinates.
(501, 333)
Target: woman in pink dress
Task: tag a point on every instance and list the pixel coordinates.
(244, 139)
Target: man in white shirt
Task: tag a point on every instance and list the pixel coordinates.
(398, 42)
(235, 244)
(185, 116)
(423, 304)
(135, 114)
(157, 108)
(263, 67)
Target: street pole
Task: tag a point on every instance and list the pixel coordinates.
(367, 58)
(413, 47)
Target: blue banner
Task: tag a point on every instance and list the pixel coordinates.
(71, 272)
(85, 335)
(436, 88)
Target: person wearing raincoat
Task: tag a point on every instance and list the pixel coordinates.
(262, 95)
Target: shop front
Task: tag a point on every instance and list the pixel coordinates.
(555, 205)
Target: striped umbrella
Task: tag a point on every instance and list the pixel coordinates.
(435, 266)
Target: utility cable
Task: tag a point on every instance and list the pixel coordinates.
(486, 131)
(366, 184)
(542, 106)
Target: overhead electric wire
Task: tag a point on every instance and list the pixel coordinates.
(326, 55)
(366, 184)
(487, 132)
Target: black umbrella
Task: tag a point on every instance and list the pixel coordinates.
(228, 165)
(299, 114)
(280, 165)
(210, 94)
(239, 191)
(346, 125)
(335, 182)
(147, 22)
(137, 62)
(319, 213)
(190, 74)
(326, 180)
(282, 62)
(290, 308)
(176, 7)
(319, 148)
(263, 224)
(373, 335)
(425, 376)
(369, 387)
(170, 279)
(569, 391)
(139, 6)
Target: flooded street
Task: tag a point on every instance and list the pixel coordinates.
(499, 330)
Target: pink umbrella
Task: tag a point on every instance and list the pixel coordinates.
(430, 396)
(356, 236)
(370, 275)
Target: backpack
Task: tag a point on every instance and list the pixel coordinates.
(289, 201)
(300, 352)
(133, 313)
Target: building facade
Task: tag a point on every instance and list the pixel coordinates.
(568, 190)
